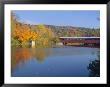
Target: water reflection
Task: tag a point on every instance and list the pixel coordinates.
(21, 55)
(67, 61)
(41, 54)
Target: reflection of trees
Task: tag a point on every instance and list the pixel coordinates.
(41, 54)
(19, 55)
(24, 54)
(94, 67)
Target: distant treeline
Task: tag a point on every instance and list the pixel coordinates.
(45, 35)
(70, 31)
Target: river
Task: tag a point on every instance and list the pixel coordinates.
(52, 62)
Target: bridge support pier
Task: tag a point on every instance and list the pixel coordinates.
(64, 43)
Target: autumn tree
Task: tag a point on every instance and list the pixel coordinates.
(44, 36)
(24, 34)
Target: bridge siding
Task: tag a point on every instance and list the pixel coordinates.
(81, 40)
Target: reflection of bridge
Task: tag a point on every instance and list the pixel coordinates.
(84, 41)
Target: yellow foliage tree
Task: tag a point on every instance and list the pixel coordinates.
(24, 33)
(45, 35)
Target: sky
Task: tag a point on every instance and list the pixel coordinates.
(81, 18)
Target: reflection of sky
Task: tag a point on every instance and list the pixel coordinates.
(59, 65)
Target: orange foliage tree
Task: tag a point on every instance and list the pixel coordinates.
(24, 33)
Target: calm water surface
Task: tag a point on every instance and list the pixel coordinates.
(45, 62)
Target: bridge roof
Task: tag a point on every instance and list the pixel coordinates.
(79, 37)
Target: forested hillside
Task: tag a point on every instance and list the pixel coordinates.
(71, 31)
(45, 35)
